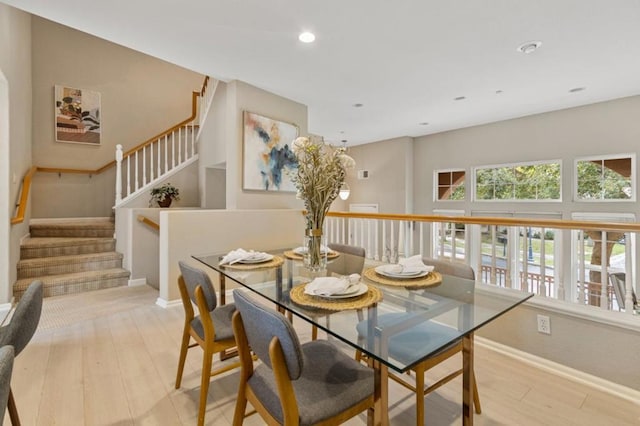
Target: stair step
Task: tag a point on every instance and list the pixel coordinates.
(56, 285)
(57, 265)
(78, 227)
(57, 246)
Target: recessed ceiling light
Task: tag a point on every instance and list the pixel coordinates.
(424, 123)
(529, 47)
(358, 105)
(498, 92)
(343, 141)
(577, 89)
(307, 37)
(460, 98)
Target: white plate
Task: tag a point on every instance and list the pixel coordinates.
(360, 289)
(257, 258)
(384, 270)
(303, 250)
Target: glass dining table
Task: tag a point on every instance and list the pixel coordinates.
(460, 305)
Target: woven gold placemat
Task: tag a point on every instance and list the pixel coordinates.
(430, 279)
(372, 296)
(276, 261)
(290, 254)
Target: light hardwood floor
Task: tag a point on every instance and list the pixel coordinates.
(109, 357)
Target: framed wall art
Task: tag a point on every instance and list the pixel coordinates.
(267, 155)
(77, 114)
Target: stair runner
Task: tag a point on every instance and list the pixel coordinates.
(70, 256)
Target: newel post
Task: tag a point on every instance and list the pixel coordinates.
(118, 174)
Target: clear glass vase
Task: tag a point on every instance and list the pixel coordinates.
(315, 258)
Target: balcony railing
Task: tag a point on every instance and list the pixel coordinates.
(555, 259)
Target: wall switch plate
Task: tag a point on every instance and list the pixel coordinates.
(544, 324)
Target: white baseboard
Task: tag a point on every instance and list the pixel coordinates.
(168, 303)
(137, 281)
(569, 373)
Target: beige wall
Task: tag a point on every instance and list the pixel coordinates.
(15, 153)
(141, 96)
(388, 171)
(244, 97)
(185, 233)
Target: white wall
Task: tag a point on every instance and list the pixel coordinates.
(15, 64)
(187, 233)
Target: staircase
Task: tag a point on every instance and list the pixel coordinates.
(70, 256)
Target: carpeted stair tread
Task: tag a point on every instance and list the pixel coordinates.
(29, 268)
(55, 285)
(59, 246)
(81, 227)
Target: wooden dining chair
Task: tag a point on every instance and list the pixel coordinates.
(20, 330)
(407, 343)
(210, 329)
(295, 384)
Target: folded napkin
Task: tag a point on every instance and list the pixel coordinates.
(410, 265)
(239, 255)
(328, 286)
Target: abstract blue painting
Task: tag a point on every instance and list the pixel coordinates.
(267, 154)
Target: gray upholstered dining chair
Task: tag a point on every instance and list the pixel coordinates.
(6, 367)
(407, 343)
(20, 330)
(211, 328)
(296, 384)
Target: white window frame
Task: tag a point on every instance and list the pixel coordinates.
(512, 165)
(436, 185)
(632, 178)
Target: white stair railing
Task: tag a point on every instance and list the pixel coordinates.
(166, 153)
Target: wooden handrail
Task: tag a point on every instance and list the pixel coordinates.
(24, 196)
(506, 221)
(148, 222)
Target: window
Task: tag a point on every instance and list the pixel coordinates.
(532, 181)
(450, 185)
(605, 178)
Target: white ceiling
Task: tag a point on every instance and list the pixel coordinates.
(404, 60)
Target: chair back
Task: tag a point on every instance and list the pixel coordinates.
(194, 277)
(457, 269)
(347, 265)
(261, 325)
(25, 319)
(6, 367)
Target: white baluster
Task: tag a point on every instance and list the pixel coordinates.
(543, 264)
(411, 245)
(604, 272)
(421, 228)
(392, 252)
(128, 175)
(159, 158)
(173, 148)
(118, 174)
(376, 255)
(144, 165)
(401, 252)
(385, 254)
(369, 239)
(180, 151)
(193, 140)
(151, 160)
(493, 279)
(166, 154)
(583, 283)
(135, 159)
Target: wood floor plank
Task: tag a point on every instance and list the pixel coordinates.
(112, 361)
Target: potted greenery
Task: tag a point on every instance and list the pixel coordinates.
(164, 195)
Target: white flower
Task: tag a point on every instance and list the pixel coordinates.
(299, 145)
(347, 161)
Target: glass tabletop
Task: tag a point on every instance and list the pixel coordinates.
(405, 327)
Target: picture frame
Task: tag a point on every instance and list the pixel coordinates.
(77, 115)
(267, 156)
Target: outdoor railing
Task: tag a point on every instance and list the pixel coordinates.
(555, 259)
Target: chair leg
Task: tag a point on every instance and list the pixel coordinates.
(207, 361)
(13, 410)
(476, 396)
(419, 391)
(241, 406)
(183, 355)
(314, 332)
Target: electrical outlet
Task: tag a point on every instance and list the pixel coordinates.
(544, 324)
